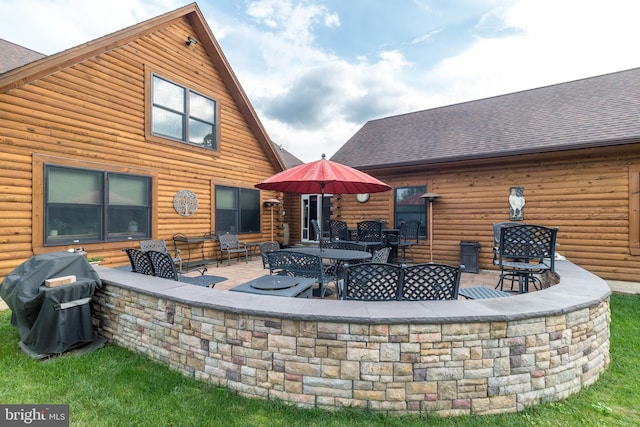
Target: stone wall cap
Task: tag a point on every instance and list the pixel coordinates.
(577, 289)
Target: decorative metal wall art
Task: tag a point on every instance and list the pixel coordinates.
(516, 204)
(185, 202)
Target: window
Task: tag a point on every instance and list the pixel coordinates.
(237, 210)
(409, 206)
(182, 114)
(83, 206)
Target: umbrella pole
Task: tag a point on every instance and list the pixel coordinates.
(321, 214)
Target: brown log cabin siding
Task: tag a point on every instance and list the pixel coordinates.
(293, 216)
(588, 199)
(94, 111)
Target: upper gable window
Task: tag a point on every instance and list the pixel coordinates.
(181, 114)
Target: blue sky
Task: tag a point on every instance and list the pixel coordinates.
(317, 70)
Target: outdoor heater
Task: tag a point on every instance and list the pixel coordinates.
(271, 203)
(429, 198)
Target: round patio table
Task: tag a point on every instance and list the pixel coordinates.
(340, 255)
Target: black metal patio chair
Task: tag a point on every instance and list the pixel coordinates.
(229, 244)
(408, 236)
(164, 267)
(140, 263)
(371, 282)
(381, 255)
(266, 247)
(338, 230)
(297, 264)
(370, 234)
(497, 228)
(161, 246)
(430, 282)
(526, 251)
(319, 234)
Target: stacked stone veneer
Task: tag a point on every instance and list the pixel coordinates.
(480, 367)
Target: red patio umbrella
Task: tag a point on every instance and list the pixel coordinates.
(323, 176)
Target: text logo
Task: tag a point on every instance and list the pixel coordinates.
(34, 415)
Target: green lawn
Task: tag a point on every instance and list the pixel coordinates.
(116, 387)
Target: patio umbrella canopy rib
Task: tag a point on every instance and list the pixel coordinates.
(323, 176)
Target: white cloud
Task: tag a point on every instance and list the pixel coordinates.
(55, 25)
(265, 11)
(331, 20)
(424, 37)
(556, 41)
(392, 59)
(310, 100)
(294, 21)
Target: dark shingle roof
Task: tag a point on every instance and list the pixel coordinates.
(14, 56)
(597, 111)
(288, 159)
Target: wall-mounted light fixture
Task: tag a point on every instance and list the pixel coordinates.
(190, 41)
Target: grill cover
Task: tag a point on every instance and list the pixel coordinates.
(51, 320)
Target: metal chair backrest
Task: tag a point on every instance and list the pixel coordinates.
(297, 264)
(497, 227)
(338, 230)
(153, 245)
(288, 263)
(528, 242)
(372, 282)
(228, 241)
(163, 265)
(140, 263)
(160, 246)
(381, 255)
(430, 282)
(318, 233)
(349, 246)
(370, 231)
(266, 247)
(409, 231)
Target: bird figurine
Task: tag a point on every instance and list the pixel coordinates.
(516, 202)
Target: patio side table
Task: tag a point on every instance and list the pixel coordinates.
(280, 286)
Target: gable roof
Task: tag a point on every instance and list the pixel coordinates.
(592, 112)
(50, 64)
(13, 55)
(288, 159)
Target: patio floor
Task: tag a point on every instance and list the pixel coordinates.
(239, 272)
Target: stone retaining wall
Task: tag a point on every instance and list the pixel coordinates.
(498, 356)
